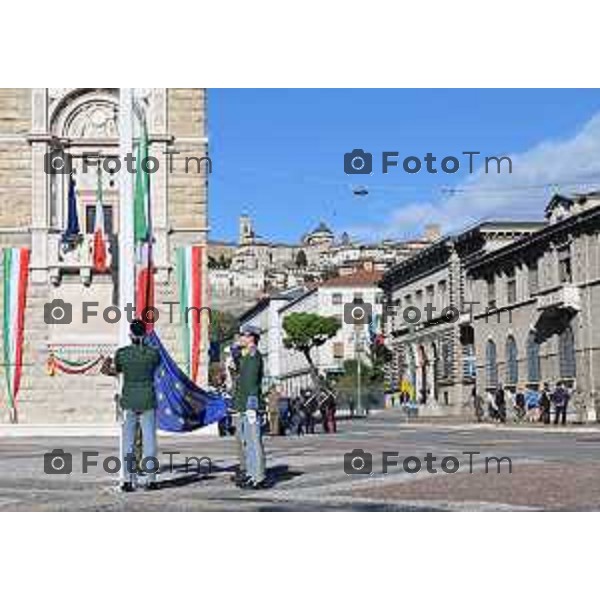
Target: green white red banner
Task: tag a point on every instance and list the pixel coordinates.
(189, 276)
(15, 262)
(99, 233)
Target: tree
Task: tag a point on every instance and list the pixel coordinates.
(371, 381)
(379, 356)
(306, 331)
(301, 260)
(224, 261)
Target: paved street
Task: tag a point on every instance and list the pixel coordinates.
(552, 469)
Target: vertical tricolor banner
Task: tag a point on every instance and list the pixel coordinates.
(189, 276)
(15, 278)
(143, 236)
(99, 233)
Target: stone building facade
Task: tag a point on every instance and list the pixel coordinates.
(428, 319)
(538, 298)
(33, 212)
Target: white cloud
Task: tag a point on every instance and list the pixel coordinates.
(567, 166)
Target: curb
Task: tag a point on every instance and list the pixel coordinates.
(85, 430)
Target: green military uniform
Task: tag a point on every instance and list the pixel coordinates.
(137, 363)
(249, 382)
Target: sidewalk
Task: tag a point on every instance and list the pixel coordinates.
(527, 427)
(85, 430)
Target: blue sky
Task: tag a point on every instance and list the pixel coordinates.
(278, 154)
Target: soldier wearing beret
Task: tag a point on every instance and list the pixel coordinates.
(249, 408)
(137, 363)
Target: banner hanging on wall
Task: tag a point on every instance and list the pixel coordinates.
(15, 262)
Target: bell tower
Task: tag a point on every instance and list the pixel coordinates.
(246, 230)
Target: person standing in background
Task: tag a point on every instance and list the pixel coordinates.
(477, 404)
(561, 402)
(501, 403)
(545, 405)
(273, 410)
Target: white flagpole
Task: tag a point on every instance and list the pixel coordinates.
(126, 234)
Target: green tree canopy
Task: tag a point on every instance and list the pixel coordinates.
(306, 331)
(224, 261)
(301, 260)
(371, 383)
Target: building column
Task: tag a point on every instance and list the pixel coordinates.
(39, 214)
(39, 185)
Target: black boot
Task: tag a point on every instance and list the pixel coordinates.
(240, 478)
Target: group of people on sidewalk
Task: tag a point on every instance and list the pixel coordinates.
(531, 404)
(137, 363)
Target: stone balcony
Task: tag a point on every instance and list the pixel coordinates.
(566, 297)
(76, 258)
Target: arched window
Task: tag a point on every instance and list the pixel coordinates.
(512, 361)
(491, 365)
(534, 371)
(566, 354)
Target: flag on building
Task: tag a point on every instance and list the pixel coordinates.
(141, 198)
(144, 286)
(142, 235)
(15, 279)
(99, 233)
(189, 276)
(72, 230)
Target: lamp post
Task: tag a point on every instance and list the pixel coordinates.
(126, 247)
(358, 350)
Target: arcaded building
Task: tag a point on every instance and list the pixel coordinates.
(433, 349)
(539, 305)
(34, 209)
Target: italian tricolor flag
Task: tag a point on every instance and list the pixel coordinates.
(141, 197)
(142, 233)
(99, 235)
(15, 278)
(189, 273)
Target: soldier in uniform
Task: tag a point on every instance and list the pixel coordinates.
(137, 364)
(248, 418)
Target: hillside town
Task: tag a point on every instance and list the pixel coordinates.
(243, 271)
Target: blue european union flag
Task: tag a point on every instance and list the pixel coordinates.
(181, 404)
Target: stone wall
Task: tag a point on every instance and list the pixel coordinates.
(15, 158)
(187, 191)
